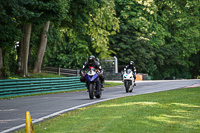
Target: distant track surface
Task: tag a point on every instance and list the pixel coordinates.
(13, 111)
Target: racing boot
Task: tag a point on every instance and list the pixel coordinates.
(86, 86)
(102, 86)
(134, 80)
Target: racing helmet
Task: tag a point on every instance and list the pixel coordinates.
(131, 63)
(91, 60)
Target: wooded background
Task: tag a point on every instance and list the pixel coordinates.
(162, 37)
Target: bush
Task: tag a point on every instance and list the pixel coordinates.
(5, 73)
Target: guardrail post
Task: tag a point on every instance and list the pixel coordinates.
(116, 65)
(77, 72)
(59, 71)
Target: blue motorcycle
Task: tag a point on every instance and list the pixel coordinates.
(93, 83)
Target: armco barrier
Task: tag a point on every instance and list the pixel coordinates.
(18, 87)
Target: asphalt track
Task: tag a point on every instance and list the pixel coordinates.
(13, 111)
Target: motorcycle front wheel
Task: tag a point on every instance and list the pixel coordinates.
(127, 86)
(100, 93)
(91, 91)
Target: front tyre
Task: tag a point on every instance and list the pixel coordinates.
(99, 93)
(127, 86)
(91, 91)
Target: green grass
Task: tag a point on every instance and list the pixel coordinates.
(111, 84)
(34, 75)
(176, 111)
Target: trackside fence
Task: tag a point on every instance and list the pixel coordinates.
(19, 87)
(62, 71)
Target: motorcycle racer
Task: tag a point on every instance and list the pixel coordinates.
(133, 68)
(92, 63)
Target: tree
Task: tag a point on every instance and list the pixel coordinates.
(1, 63)
(10, 34)
(52, 11)
(43, 43)
(159, 36)
(138, 29)
(195, 67)
(181, 22)
(84, 31)
(25, 43)
(26, 17)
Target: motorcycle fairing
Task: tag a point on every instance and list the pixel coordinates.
(93, 78)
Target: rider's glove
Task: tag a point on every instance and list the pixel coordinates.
(98, 72)
(83, 74)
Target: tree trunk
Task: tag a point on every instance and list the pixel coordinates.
(24, 48)
(1, 62)
(42, 48)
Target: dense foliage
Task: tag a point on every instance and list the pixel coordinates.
(161, 36)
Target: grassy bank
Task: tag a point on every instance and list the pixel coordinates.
(169, 111)
(34, 75)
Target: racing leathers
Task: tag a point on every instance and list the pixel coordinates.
(133, 69)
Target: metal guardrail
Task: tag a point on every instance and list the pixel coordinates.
(19, 87)
(62, 71)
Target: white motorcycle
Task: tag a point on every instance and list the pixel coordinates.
(128, 80)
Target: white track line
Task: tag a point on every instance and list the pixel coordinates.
(56, 114)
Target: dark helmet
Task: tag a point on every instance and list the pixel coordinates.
(131, 63)
(91, 59)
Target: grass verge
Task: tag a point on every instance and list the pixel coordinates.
(34, 75)
(111, 84)
(170, 111)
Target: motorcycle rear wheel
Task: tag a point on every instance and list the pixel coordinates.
(91, 91)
